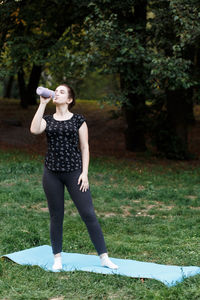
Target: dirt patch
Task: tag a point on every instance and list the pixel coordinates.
(7, 184)
(195, 207)
(128, 210)
(108, 214)
(106, 133)
(158, 206)
(140, 188)
(37, 207)
(191, 197)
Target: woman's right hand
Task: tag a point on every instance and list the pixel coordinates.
(45, 100)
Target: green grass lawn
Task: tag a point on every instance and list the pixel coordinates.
(147, 212)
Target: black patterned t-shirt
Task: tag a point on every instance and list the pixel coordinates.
(63, 143)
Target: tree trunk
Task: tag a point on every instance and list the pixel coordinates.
(177, 116)
(189, 102)
(8, 87)
(135, 131)
(33, 84)
(28, 94)
(22, 88)
(172, 132)
(135, 110)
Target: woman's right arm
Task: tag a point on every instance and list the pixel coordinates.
(38, 124)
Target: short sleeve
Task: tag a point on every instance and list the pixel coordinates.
(80, 120)
(45, 117)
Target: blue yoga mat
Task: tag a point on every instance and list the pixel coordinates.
(42, 256)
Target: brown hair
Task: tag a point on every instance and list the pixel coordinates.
(71, 94)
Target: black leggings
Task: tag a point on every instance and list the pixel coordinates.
(53, 184)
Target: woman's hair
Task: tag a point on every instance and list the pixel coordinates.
(71, 94)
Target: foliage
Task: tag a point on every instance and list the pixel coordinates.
(32, 31)
(115, 45)
(171, 73)
(174, 31)
(151, 46)
(110, 40)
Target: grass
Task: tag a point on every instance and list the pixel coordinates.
(147, 212)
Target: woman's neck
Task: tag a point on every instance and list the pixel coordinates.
(62, 111)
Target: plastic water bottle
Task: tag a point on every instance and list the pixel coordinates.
(45, 92)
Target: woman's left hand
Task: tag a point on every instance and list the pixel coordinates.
(83, 179)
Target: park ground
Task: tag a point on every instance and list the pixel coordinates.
(106, 131)
(148, 208)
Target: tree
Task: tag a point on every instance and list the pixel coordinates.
(174, 70)
(152, 46)
(116, 36)
(30, 29)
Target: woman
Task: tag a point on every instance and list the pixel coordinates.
(66, 165)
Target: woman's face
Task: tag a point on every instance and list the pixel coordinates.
(62, 95)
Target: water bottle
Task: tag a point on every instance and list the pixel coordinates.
(45, 92)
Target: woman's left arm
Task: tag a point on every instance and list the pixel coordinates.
(84, 146)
